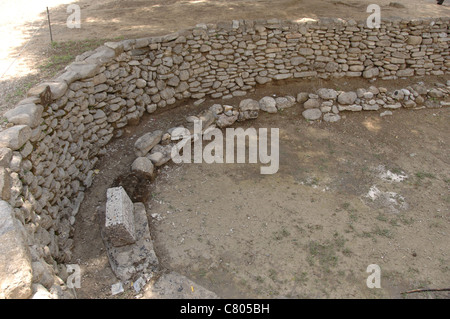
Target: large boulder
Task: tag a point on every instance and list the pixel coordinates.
(15, 260)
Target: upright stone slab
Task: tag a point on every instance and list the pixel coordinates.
(119, 225)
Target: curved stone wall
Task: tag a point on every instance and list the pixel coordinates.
(53, 138)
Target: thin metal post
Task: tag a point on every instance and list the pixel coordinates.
(49, 26)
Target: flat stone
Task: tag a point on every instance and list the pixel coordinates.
(405, 72)
(371, 73)
(331, 117)
(392, 106)
(15, 137)
(146, 142)
(311, 104)
(58, 89)
(25, 114)
(353, 107)
(385, 113)
(119, 224)
(312, 114)
(15, 260)
(298, 60)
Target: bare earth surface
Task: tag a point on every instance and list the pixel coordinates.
(308, 231)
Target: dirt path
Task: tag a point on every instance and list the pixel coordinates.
(108, 19)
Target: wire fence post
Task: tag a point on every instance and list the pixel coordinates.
(49, 26)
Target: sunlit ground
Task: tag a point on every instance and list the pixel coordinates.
(19, 19)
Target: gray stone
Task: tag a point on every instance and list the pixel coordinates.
(327, 94)
(331, 117)
(161, 156)
(5, 156)
(385, 113)
(347, 98)
(146, 142)
(5, 184)
(25, 114)
(15, 259)
(414, 40)
(143, 166)
(58, 88)
(141, 83)
(353, 107)
(370, 107)
(405, 72)
(392, 106)
(151, 108)
(119, 224)
(398, 95)
(248, 109)
(298, 60)
(312, 114)
(302, 97)
(435, 93)
(224, 120)
(128, 262)
(15, 137)
(283, 76)
(285, 102)
(268, 104)
(311, 104)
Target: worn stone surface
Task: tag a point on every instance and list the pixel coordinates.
(143, 166)
(268, 104)
(146, 142)
(26, 114)
(15, 137)
(130, 261)
(312, 114)
(347, 98)
(119, 223)
(15, 259)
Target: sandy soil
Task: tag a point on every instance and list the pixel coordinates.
(25, 34)
(309, 231)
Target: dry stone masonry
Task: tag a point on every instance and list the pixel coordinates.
(52, 140)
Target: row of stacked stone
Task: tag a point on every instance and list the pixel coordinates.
(155, 148)
(52, 140)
